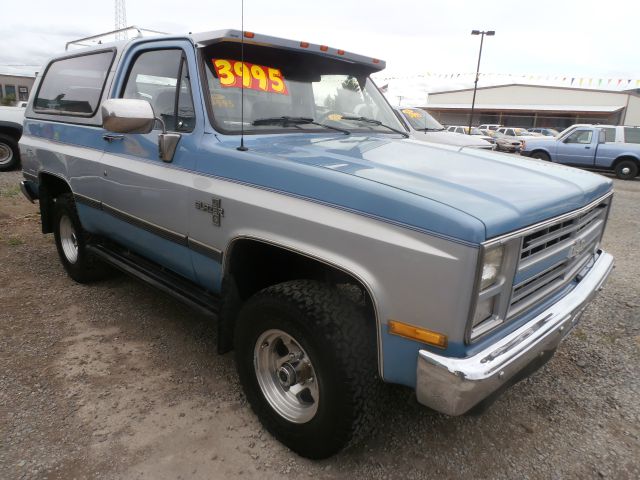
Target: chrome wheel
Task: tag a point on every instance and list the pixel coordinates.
(68, 239)
(626, 171)
(286, 376)
(6, 154)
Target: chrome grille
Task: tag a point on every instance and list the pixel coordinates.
(555, 253)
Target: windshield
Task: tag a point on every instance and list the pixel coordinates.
(288, 83)
(420, 120)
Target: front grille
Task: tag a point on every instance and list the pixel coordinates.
(554, 254)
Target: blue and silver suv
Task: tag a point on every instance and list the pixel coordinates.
(267, 182)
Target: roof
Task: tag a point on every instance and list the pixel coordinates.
(22, 75)
(529, 85)
(207, 38)
(528, 108)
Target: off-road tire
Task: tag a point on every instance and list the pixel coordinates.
(86, 268)
(630, 166)
(8, 161)
(541, 156)
(340, 341)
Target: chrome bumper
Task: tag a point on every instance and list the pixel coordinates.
(454, 385)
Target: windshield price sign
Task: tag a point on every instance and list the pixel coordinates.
(234, 73)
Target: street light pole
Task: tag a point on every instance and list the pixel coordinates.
(489, 33)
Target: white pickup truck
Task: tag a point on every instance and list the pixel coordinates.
(11, 119)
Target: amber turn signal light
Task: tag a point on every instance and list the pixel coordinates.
(416, 333)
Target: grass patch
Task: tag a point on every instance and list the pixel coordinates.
(14, 241)
(10, 192)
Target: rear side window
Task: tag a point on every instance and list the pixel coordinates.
(73, 86)
(632, 135)
(609, 135)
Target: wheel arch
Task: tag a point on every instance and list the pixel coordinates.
(50, 185)
(251, 264)
(624, 157)
(541, 150)
(11, 129)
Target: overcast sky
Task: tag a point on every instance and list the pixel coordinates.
(560, 37)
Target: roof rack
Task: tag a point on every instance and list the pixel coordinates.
(139, 33)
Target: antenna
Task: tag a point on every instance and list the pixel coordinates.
(242, 148)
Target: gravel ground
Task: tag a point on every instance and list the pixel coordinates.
(116, 380)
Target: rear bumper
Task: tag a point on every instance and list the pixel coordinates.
(454, 385)
(525, 153)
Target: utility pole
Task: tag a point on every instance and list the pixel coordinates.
(121, 19)
(489, 33)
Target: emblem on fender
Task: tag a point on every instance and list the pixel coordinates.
(215, 209)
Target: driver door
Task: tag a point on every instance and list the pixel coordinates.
(148, 203)
(579, 148)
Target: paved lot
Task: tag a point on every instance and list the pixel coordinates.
(116, 380)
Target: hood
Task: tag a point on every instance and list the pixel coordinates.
(504, 192)
(449, 138)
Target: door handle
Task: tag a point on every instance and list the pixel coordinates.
(587, 147)
(109, 137)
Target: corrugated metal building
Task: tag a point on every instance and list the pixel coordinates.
(536, 106)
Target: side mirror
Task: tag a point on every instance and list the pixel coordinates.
(127, 115)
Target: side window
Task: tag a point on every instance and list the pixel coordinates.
(73, 86)
(631, 135)
(510, 132)
(580, 136)
(609, 134)
(162, 78)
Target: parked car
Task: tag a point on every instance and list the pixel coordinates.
(518, 133)
(423, 127)
(476, 132)
(11, 119)
(588, 147)
(288, 203)
(505, 143)
(490, 126)
(547, 132)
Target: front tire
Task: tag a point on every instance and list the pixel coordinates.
(541, 156)
(626, 170)
(71, 243)
(9, 153)
(306, 357)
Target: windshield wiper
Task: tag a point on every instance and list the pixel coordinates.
(373, 121)
(294, 121)
(428, 129)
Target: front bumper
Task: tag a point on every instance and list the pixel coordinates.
(30, 190)
(454, 385)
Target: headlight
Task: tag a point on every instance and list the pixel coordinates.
(484, 310)
(493, 285)
(491, 267)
